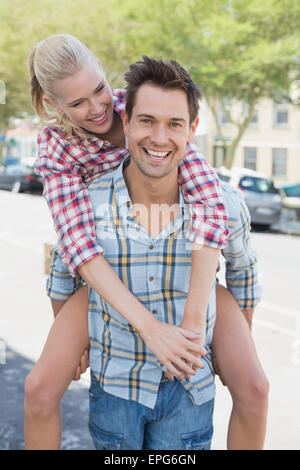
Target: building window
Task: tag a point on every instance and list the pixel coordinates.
(254, 118)
(281, 114)
(279, 162)
(219, 156)
(222, 115)
(250, 158)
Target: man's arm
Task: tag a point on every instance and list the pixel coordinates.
(241, 260)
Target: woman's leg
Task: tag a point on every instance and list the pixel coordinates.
(240, 369)
(51, 376)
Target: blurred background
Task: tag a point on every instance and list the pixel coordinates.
(245, 56)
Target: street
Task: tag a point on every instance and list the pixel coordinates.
(26, 318)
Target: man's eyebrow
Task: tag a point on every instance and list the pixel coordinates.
(152, 117)
(79, 99)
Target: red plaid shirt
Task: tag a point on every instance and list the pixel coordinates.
(67, 166)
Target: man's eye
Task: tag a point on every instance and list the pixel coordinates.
(146, 121)
(100, 89)
(175, 124)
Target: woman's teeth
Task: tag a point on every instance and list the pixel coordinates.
(100, 118)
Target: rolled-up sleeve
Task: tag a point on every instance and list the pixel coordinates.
(60, 284)
(63, 167)
(202, 192)
(241, 259)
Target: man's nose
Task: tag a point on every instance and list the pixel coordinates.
(159, 135)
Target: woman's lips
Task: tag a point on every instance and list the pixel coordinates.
(99, 120)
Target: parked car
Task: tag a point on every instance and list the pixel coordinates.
(262, 198)
(291, 197)
(18, 178)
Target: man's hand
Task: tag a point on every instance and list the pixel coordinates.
(84, 364)
(175, 347)
(199, 340)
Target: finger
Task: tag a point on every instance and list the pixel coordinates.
(170, 376)
(196, 348)
(83, 363)
(192, 359)
(77, 374)
(183, 367)
(174, 371)
(87, 355)
(189, 334)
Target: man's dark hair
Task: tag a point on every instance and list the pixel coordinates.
(166, 74)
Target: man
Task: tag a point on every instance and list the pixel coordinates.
(132, 404)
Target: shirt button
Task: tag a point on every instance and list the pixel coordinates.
(151, 278)
(154, 311)
(151, 247)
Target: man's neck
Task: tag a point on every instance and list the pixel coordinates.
(145, 190)
(155, 200)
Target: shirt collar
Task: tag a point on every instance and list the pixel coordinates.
(122, 195)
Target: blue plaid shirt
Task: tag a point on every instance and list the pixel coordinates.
(122, 362)
(157, 272)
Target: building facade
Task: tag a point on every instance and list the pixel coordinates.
(270, 144)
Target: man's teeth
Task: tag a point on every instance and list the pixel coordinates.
(157, 154)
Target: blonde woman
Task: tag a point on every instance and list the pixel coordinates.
(85, 139)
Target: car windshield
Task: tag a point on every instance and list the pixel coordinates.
(259, 185)
(223, 177)
(17, 170)
(293, 191)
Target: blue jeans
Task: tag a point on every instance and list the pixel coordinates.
(174, 424)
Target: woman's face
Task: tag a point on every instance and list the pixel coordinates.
(86, 98)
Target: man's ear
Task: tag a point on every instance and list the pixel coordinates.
(193, 130)
(125, 123)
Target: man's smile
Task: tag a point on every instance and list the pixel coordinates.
(156, 156)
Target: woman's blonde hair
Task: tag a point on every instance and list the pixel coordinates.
(54, 58)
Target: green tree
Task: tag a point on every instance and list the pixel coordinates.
(241, 50)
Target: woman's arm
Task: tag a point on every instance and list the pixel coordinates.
(170, 344)
(207, 230)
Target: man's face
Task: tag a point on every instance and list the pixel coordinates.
(158, 130)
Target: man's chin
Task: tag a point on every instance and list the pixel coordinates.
(155, 173)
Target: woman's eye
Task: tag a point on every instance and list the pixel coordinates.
(100, 89)
(76, 105)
